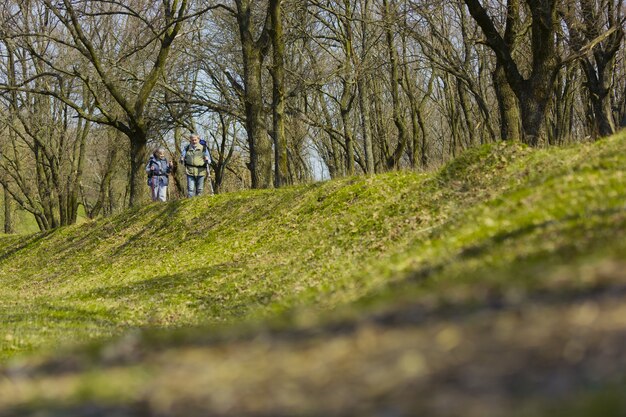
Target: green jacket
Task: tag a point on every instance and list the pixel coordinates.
(193, 157)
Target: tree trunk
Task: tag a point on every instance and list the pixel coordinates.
(561, 116)
(178, 172)
(599, 84)
(348, 83)
(9, 220)
(48, 215)
(278, 94)
(381, 132)
(364, 107)
(533, 105)
(393, 159)
(410, 90)
(260, 145)
(104, 203)
(363, 86)
(138, 157)
(347, 135)
(510, 127)
(585, 27)
(73, 194)
(534, 92)
(224, 153)
(622, 110)
(253, 53)
(470, 123)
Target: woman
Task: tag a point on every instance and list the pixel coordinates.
(158, 169)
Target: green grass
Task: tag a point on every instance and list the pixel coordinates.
(506, 251)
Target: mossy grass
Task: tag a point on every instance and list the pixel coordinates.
(501, 225)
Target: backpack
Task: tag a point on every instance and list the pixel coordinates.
(202, 142)
(158, 171)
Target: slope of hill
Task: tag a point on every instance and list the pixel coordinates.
(494, 286)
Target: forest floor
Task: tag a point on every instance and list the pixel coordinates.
(494, 286)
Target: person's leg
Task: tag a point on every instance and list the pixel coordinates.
(191, 186)
(199, 184)
(154, 188)
(163, 193)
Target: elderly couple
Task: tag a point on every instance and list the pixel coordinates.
(196, 158)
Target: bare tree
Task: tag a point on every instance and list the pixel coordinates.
(124, 48)
(44, 158)
(533, 91)
(389, 13)
(596, 34)
(336, 78)
(255, 44)
(225, 149)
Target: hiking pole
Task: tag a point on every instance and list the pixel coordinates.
(208, 177)
(153, 187)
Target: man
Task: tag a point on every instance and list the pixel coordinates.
(196, 158)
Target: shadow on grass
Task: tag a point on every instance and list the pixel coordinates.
(613, 220)
(147, 234)
(11, 250)
(47, 313)
(214, 293)
(206, 278)
(84, 238)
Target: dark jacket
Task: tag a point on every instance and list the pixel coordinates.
(159, 173)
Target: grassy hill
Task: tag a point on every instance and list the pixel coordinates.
(494, 286)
